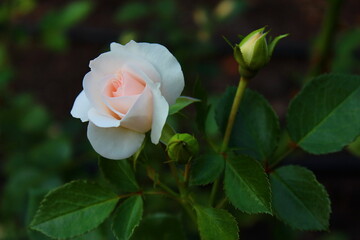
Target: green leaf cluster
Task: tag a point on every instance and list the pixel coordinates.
(247, 171)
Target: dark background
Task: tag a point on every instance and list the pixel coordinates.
(43, 59)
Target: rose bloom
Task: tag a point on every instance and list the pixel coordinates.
(126, 93)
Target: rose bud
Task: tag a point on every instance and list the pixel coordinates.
(182, 147)
(253, 52)
(126, 94)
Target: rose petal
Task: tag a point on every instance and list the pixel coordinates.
(139, 116)
(93, 90)
(120, 105)
(102, 121)
(157, 104)
(110, 62)
(137, 61)
(160, 113)
(172, 78)
(114, 143)
(81, 107)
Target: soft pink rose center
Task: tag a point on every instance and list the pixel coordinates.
(124, 84)
(122, 91)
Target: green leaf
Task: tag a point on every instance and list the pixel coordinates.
(206, 169)
(181, 102)
(159, 226)
(354, 147)
(256, 130)
(167, 133)
(74, 209)
(299, 199)
(120, 174)
(132, 11)
(324, 117)
(246, 185)
(215, 224)
(127, 217)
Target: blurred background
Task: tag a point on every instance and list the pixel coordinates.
(45, 49)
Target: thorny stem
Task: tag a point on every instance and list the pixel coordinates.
(230, 124)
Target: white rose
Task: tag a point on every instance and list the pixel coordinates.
(128, 92)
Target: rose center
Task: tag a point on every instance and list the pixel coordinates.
(124, 84)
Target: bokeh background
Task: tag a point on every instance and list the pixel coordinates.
(45, 49)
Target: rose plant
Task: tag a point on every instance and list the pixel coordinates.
(128, 92)
(132, 89)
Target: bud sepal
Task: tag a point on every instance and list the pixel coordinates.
(182, 147)
(253, 52)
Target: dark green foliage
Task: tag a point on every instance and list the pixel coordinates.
(73, 209)
(299, 199)
(246, 185)
(256, 128)
(127, 217)
(120, 174)
(325, 115)
(215, 224)
(206, 168)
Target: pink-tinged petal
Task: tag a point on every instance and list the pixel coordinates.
(139, 116)
(120, 105)
(160, 113)
(172, 78)
(93, 89)
(110, 62)
(114, 143)
(138, 62)
(102, 121)
(81, 107)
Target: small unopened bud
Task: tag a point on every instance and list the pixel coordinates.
(253, 52)
(182, 147)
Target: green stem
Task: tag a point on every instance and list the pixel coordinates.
(183, 198)
(281, 156)
(213, 193)
(234, 109)
(222, 203)
(168, 190)
(230, 124)
(325, 40)
(189, 211)
(179, 184)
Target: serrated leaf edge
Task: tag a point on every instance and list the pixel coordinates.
(133, 229)
(323, 190)
(224, 211)
(318, 78)
(206, 183)
(44, 200)
(270, 212)
(132, 178)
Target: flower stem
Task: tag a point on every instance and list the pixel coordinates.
(234, 109)
(321, 52)
(230, 124)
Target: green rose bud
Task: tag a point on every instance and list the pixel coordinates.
(253, 52)
(182, 147)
